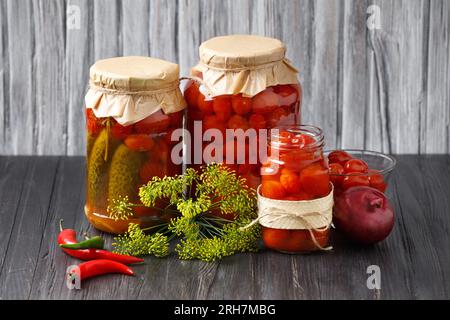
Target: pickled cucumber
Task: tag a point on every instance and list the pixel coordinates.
(124, 173)
(97, 169)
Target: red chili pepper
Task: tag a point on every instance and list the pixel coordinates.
(68, 236)
(102, 266)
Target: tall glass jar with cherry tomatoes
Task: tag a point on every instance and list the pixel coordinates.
(132, 107)
(241, 82)
(296, 172)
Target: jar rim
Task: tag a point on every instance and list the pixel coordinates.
(310, 130)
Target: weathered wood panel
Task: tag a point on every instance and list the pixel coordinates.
(49, 81)
(437, 113)
(79, 51)
(384, 89)
(20, 129)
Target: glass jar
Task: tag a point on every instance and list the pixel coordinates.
(125, 152)
(295, 170)
(244, 87)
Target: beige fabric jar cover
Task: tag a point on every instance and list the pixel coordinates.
(244, 64)
(130, 89)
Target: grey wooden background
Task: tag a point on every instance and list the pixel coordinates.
(387, 89)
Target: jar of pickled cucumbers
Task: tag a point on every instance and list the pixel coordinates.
(132, 106)
(241, 82)
(295, 199)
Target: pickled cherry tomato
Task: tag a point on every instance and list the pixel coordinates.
(257, 121)
(139, 142)
(241, 105)
(290, 181)
(156, 123)
(274, 118)
(314, 179)
(285, 137)
(238, 122)
(336, 171)
(212, 122)
(93, 124)
(356, 165)
(120, 132)
(293, 240)
(355, 181)
(222, 107)
(287, 94)
(205, 106)
(270, 172)
(191, 94)
(265, 101)
(273, 190)
(376, 180)
(339, 156)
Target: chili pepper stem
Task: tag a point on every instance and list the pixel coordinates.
(60, 225)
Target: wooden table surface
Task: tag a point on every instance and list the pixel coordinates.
(36, 192)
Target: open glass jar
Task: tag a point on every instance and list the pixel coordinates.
(295, 196)
(242, 82)
(132, 107)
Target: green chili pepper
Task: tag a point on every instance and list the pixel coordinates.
(90, 243)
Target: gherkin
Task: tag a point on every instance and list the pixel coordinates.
(98, 161)
(124, 173)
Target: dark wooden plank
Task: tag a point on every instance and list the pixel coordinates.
(13, 171)
(17, 275)
(414, 260)
(67, 203)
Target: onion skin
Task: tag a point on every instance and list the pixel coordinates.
(364, 215)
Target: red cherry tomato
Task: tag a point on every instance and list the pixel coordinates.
(191, 94)
(212, 122)
(276, 239)
(336, 171)
(257, 121)
(288, 94)
(205, 106)
(241, 105)
(93, 124)
(157, 122)
(314, 179)
(222, 107)
(270, 172)
(265, 101)
(273, 190)
(299, 196)
(120, 132)
(354, 181)
(139, 142)
(290, 181)
(293, 240)
(376, 180)
(356, 165)
(238, 122)
(276, 117)
(339, 156)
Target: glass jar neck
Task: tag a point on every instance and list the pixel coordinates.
(296, 137)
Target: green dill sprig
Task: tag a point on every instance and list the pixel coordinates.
(135, 242)
(201, 201)
(121, 208)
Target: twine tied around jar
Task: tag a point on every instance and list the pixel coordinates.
(310, 215)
